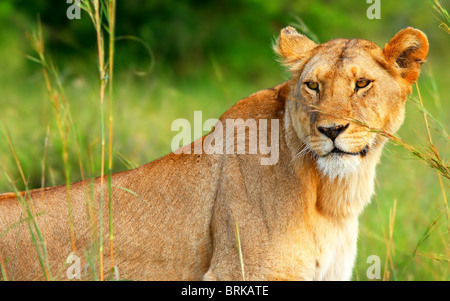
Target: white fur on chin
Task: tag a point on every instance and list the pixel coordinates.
(338, 165)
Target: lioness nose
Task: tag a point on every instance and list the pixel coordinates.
(334, 131)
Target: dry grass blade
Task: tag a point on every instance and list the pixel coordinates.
(63, 116)
(3, 269)
(438, 125)
(26, 204)
(442, 15)
(13, 151)
(435, 256)
(238, 241)
(427, 234)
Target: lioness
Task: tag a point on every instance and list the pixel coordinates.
(177, 218)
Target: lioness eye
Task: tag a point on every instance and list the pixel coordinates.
(362, 83)
(312, 86)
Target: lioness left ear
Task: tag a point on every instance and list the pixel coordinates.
(292, 46)
(408, 49)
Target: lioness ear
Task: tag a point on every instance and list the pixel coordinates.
(292, 46)
(407, 50)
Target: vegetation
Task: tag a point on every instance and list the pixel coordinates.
(170, 58)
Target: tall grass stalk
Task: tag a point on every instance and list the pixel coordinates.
(45, 157)
(27, 207)
(112, 28)
(97, 18)
(432, 146)
(63, 116)
(389, 242)
(98, 10)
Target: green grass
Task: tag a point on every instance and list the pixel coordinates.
(413, 241)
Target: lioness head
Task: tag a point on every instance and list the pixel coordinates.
(342, 87)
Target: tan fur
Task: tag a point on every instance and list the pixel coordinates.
(175, 218)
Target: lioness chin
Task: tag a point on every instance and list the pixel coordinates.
(175, 218)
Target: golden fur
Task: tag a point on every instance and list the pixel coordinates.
(175, 218)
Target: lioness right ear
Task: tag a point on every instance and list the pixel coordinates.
(292, 46)
(407, 50)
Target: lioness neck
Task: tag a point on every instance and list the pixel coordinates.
(346, 197)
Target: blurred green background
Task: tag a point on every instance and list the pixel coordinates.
(206, 55)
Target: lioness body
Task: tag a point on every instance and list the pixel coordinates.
(176, 218)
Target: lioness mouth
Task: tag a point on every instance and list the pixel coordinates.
(362, 152)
